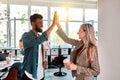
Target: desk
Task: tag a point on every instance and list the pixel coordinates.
(11, 49)
(3, 64)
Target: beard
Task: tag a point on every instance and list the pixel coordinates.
(38, 28)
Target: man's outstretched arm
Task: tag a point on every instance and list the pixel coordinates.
(48, 31)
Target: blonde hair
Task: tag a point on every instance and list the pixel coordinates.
(90, 39)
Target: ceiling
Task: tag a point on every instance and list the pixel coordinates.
(88, 1)
(54, 2)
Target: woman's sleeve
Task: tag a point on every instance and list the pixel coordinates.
(67, 39)
(94, 70)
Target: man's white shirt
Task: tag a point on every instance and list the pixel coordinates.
(40, 69)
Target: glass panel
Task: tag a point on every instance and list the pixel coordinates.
(3, 25)
(61, 12)
(19, 11)
(3, 33)
(75, 14)
(73, 29)
(45, 25)
(21, 27)
(40, 10)
(91, 14)
(3, 11)
(96, 30)
(55, 39)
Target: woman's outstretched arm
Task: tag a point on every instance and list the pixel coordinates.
(65, 38)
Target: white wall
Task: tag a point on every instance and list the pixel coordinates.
(109, 39)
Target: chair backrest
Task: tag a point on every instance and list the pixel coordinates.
(59, 59)
(2, 57)
(12, 75)
(14, 72)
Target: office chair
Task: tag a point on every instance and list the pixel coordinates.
(58, 61)
(14, 72)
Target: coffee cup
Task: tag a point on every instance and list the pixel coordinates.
(66, 62)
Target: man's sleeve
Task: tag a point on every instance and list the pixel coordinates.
(31, 41)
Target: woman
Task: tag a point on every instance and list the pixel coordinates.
(84, 58)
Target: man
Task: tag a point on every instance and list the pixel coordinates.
(21, 47)
(32, 43)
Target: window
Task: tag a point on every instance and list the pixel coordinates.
(43, 10)
(40, 10)
(3, 33)
(21, 27)
(19, 23)
(91, 14)
(61, 12)
(45, 25)
(54, 38)
(3, 25)
(70, 20)
(18, 11)
(75, 14)
(75, 20)
(96, 30)
(73, 29)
